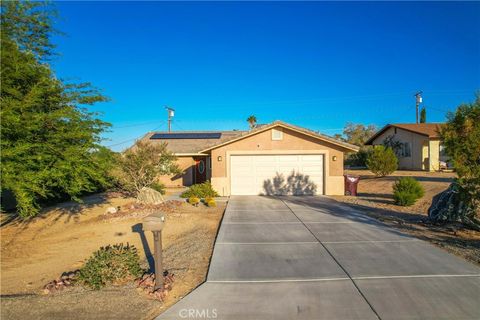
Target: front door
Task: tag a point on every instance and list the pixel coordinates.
(200, 169)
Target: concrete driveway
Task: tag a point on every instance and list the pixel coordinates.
(314, 258)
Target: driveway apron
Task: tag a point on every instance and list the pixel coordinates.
(314, 258)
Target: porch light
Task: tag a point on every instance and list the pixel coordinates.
(334, 158)
(219, 158)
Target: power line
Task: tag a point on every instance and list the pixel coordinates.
(129, 140)
(336, 99)
(137, 125)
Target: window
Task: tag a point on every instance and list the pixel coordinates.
(405, 150)
(277, 134)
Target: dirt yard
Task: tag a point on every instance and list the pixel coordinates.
(64, 236)
(375, 199)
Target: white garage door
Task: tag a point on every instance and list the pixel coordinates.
(276, 174)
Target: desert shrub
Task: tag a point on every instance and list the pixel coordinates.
(202, 190)
(358, 159)
(382, 161)
(157, 186)
(461, 138)
(406, 191)
(111, 264)
(211, 203)
(194, 201)
(140, 166)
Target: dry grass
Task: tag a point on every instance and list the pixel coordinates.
(64, 236)
(375, 199)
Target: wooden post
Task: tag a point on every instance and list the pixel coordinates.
(157, 237)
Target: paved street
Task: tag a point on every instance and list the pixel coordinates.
(314, 258)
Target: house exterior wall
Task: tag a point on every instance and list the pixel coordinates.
(187, 165)
(292, 143)
(434, 155)
(419, 144)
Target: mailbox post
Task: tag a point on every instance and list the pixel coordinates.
(155, 223)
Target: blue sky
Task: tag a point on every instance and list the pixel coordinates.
(313, 64)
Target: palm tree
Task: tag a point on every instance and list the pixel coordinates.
(252, 121)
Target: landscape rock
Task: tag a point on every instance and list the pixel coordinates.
(111, 210)
(146, 284)
(447, 206)
(150, 196)
(67, 279)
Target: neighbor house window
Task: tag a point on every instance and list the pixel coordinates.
(405, 150)
(277, 134)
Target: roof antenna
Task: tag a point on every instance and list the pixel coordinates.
(171, 113)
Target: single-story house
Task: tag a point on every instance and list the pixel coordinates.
(276, 158)
(420, 145)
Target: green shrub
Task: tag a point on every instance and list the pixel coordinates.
(157, 186)
(111, 264)
(202, 190)
(406, 191)
(382, 161)
(358, 159)
(194, 201)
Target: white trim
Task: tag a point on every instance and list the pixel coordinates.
(191, 154)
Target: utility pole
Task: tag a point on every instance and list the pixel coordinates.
(418, 100)
(171, 113)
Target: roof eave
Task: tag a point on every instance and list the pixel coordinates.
(379, 132)
(344, 145)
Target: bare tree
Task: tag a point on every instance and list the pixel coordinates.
(358, 134)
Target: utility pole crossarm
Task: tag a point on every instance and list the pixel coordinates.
(171, 113)
(418, 100)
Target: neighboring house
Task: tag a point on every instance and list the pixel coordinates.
(420, 146)
(276, 158)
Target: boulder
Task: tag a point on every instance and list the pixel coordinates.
(111, 210)
(448, 206)
(150, 196)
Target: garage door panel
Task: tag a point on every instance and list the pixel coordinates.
(312, 158)
(288, 170)
(312, 170)
(282, 159)
(250, 174)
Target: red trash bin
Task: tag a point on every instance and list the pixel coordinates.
(351, 183)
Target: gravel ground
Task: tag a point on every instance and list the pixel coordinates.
(376, 200)
(64, 236)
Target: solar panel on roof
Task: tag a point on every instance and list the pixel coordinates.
(187, 135)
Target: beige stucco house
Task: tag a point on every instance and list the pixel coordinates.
(420, 145)
(277, 158)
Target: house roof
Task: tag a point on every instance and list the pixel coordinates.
(199, 142)
(258, 129)
(431, 130)
(189, 142)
